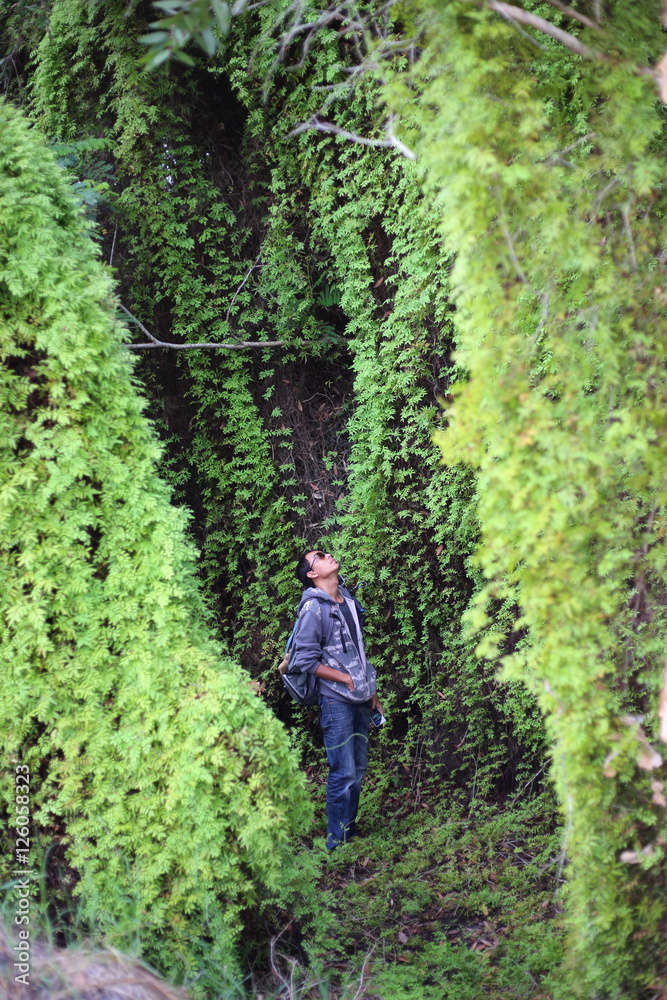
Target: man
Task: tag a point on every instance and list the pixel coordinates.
(329, 644)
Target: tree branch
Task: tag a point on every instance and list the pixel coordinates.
(575, 14)
(241, 345)
(154, 342)
(240, 288)
(522, 16)
(391, 142)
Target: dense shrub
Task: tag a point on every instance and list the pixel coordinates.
(172, 782)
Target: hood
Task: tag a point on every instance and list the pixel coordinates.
(311, 592)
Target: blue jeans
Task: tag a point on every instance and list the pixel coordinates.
(345, 731)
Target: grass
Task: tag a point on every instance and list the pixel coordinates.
(440, 900)
(437, 902)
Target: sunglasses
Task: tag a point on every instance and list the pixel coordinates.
(318, 555)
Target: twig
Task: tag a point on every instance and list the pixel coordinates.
(391, 142)
(628, 232)
(227, 347)
(530, 781)
(546, 300)
(575, 14)
(508, 239)
(529, 38)
(272, 958)
(113, 245)
(614, 182)
(239, 289)
(395, 142)
(362, 977)
(560, 156)
(569, 811)
(510, 246)
(139, 324)
(522, 16)
(154, 342)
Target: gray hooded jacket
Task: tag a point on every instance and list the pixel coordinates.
(323, 637)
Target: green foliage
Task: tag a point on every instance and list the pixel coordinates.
(172, 784)
(94, 189)
(185, 21)
(228, 231)
(548, 176)
(443, 902)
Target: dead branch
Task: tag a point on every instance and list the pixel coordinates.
(240, 288)
(391, 142)
(521, 16)
(154, 342)
(242, 345)
(569, 12)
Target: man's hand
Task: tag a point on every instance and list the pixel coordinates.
(375, 703)
(331, 674)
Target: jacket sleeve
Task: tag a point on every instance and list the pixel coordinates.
(308, 639)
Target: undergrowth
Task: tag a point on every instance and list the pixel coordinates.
(442, 898)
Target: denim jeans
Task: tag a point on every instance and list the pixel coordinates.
(345, 731)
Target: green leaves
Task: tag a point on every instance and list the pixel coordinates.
(174, 784)
(204, 22)
(557, 282)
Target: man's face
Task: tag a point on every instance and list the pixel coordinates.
(322, 564)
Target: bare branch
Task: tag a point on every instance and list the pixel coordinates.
(239, 289)
(113, 245)
(154, 342)
(529, 38)
(559, 158)
(395, 142)
(139, 324)
(575, 14)
(613, 183)
(240, 346)
(391, 142)
(512, 252)
(522, 16)
(508, 239)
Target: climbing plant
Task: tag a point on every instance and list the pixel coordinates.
(547, 173)
(226, 228)
(167, 781)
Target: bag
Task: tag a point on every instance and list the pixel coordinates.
(302, 687)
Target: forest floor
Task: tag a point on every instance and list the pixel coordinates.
(444, 897)
(439, 900)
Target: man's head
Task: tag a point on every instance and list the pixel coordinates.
(315, 566)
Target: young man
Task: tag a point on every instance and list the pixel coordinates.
(329, 644)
